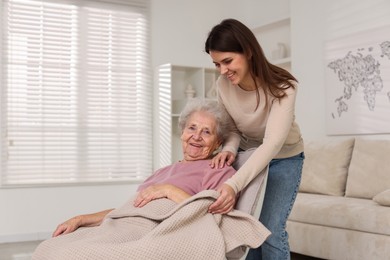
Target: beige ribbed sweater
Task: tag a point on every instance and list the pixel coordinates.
(271, 129)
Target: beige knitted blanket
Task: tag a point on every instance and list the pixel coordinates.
(160, 230)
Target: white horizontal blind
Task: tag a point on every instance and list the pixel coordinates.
(76, 92)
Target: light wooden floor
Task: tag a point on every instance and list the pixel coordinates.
(23, 251)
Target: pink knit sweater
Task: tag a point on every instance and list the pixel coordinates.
(192, 177)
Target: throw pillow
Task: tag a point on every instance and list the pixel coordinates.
(369, 171)
(326, 166)
(383, 198)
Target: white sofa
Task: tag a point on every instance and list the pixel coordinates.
(342, 210)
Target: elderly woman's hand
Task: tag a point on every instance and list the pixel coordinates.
(225, 201)
(158, 191)
(221, 158)
(68, 226)
(87, 220)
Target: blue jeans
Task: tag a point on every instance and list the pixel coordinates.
(284, 177)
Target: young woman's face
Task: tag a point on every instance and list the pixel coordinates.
(234, 66)
(199, 137)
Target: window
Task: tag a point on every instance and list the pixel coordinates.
(76, 95)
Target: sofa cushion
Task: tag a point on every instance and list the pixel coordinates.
(383, 198)
(326, 166)
(341, 212)
(369, 170)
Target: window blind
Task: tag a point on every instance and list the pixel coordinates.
(76, 92)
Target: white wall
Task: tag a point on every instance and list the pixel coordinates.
(313, 23)
(33, 213)
(180, 28)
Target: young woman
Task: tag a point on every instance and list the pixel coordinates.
(260, 98)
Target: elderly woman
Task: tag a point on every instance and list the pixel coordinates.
(204, 126)
(162, 210)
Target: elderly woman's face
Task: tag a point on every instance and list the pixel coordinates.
(199, 137)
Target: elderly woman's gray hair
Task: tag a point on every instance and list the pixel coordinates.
(223, 120)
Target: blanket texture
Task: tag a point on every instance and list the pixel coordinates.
(160, 230)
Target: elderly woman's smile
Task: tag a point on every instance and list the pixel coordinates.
(199, 137)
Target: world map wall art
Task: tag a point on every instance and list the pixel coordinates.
(358, 83)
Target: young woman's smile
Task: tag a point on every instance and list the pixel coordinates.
(234, 66)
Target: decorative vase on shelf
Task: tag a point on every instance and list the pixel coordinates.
(212, 93)
(190, 91)
(280, 52)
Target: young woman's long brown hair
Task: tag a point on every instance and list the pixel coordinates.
(233, 36)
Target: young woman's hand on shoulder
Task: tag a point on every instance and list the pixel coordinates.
(222, 158)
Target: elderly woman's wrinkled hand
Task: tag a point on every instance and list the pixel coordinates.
(225, 202)
(68, 226)
(159, 191)
(151, 193)
(221, 158)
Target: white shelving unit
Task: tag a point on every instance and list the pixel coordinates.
(172, 82)
(272, 33)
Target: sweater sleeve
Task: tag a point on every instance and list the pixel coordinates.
(278, 126)
(233, 141)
